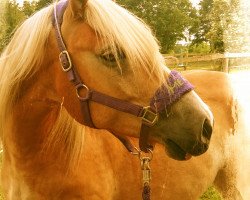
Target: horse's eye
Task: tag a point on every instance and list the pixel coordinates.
(109, 57)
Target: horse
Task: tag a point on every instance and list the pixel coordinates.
(91, 63)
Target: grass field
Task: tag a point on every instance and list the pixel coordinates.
(214, 65)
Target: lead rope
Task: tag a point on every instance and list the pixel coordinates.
(146, 171)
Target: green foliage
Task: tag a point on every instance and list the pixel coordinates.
(220, 18)
(13, 15)
(214, 18)
(211, 194)
(29, 8)
(202, 47)
(204, 24)
(42, 3)
(169, 19)
(11, 18)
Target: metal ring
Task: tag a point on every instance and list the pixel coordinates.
(148, 155)
(78, 88)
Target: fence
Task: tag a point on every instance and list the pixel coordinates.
(219, 62)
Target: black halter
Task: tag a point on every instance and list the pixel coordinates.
(164, 96)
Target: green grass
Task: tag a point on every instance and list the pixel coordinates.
(202, 65)
(211, 194)
(1, 196)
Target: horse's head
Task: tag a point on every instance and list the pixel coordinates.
(117, 71)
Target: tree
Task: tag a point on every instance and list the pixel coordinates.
(219, 18)
(11, 18)
(2, 25)
(214, 18)
(169, 19)
(204, 23)
(28, 8)
(43, 3)
(12, 15)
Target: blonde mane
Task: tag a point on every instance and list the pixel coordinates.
(116, 28)
(19, 62)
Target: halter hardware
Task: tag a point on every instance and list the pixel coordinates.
(149, 117)
(145, 159)
(65, 61)
(80, 87)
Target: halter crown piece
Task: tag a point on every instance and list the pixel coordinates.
(165, 96)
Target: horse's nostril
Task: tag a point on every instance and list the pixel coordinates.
(207, 129)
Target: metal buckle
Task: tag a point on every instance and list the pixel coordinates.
(149, 117)
(65, 60)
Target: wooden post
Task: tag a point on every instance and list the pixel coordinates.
(186, 58)
(225, 67)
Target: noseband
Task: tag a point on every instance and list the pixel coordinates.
(166, 95)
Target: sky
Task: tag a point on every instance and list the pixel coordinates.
(195, 2)
(21, 1)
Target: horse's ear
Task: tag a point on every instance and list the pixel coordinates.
(77, 6)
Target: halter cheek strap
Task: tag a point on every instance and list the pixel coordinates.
(166, 95)
(66, 63)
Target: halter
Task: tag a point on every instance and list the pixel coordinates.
(165, 96)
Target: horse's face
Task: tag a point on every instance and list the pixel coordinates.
(184, 127)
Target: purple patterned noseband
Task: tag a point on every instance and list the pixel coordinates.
(170, 92)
